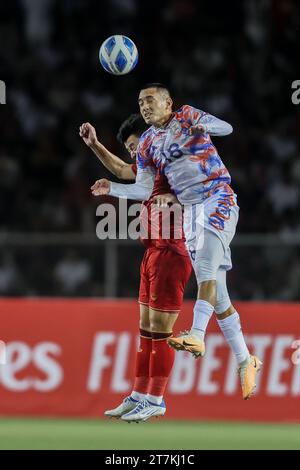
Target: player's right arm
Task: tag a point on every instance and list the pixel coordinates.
(113, 163)
(203, 122)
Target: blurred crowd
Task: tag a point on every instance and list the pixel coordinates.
(236, 61)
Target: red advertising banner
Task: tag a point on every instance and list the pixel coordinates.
(76, 358)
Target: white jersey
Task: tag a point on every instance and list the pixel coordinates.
(193, 167)
(191, 164)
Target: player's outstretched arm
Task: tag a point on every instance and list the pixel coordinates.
(140, 191)
(211, 125)
(113, 163)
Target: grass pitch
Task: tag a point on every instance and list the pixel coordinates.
(71, 434)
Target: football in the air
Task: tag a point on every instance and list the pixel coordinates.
(118, 54)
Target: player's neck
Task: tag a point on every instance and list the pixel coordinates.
(164, 120)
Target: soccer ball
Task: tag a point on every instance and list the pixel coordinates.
(118, 54)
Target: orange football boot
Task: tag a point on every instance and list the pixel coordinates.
(247, 375)
(188, 342)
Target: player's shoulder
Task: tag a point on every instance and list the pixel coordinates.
(147, 134)
(188, 112)
(145, 141)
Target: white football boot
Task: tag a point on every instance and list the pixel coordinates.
(144, 410)
(127, 405)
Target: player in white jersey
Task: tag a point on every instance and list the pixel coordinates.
(179, 144)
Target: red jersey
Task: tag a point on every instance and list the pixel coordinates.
(151, 220)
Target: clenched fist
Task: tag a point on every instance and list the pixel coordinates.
(197, 130)
(88, 133)
(101, 187)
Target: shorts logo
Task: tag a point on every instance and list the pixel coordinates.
(192, 253)
(153, 297)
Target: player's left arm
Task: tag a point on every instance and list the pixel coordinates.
(205, 123)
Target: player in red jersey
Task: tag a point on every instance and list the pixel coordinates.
(165, 270)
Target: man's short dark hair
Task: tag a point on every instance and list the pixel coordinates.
(161, 86)
(135, 124)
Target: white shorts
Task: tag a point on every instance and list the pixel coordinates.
(217, 215)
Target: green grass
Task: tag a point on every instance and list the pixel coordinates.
(162, 435)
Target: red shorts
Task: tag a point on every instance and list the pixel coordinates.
(164, 274)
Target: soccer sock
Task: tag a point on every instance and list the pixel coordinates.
(232, 330)
(161, 363)
(141, 382)
(202, 313)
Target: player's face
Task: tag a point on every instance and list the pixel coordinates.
(131, 145)
(155, 106)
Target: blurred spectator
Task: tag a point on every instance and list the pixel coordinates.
(10, 279)
(72, 274)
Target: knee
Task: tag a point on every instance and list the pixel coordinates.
(224, 312)
(223, 302)
(145, 324)
(222, 305)
(159, 324)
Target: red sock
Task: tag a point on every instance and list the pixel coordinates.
(141, 382)
(161, 363)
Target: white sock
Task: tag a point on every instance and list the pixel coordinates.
(232, 330)
(155, 399)
(202, 313)
(138, 396)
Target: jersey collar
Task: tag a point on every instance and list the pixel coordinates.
(156, 130)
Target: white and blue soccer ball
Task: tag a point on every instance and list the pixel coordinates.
(118, 54)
